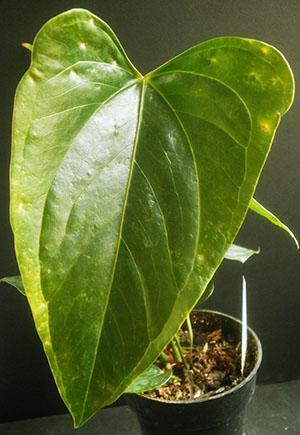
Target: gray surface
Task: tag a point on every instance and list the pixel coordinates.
(274, 410)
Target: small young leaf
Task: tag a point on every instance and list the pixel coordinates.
(238, 253)
(261, 210)
(207, 292)
(15, 281)
(151, 378)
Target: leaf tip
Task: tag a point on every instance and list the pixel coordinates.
(14, 281)
(294, 238)
(77, 421)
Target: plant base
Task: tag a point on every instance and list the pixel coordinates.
(220, 414)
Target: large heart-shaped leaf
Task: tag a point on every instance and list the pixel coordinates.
(127, 191)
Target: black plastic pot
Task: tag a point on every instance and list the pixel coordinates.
(221, 414)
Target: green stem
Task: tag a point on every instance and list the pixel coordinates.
(176, 339)
(191, 334)
(164, 357)
(176, 352)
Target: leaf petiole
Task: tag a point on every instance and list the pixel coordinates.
(190, 331)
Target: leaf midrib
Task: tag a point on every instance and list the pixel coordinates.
(140, 112)
(189, 141)
(222, 83)
(169, 105)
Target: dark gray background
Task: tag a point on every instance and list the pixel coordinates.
(152, 32)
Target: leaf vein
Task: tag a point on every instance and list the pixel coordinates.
(117, 249)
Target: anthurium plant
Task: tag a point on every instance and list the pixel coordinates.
(127, 192)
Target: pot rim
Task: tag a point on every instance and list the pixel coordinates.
(233, 389)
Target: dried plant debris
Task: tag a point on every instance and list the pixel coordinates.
(214, 364)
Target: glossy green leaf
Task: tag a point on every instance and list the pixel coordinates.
(151, 378)
(127, 191)
(15, 281)
(262, 211)
(239, 253)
